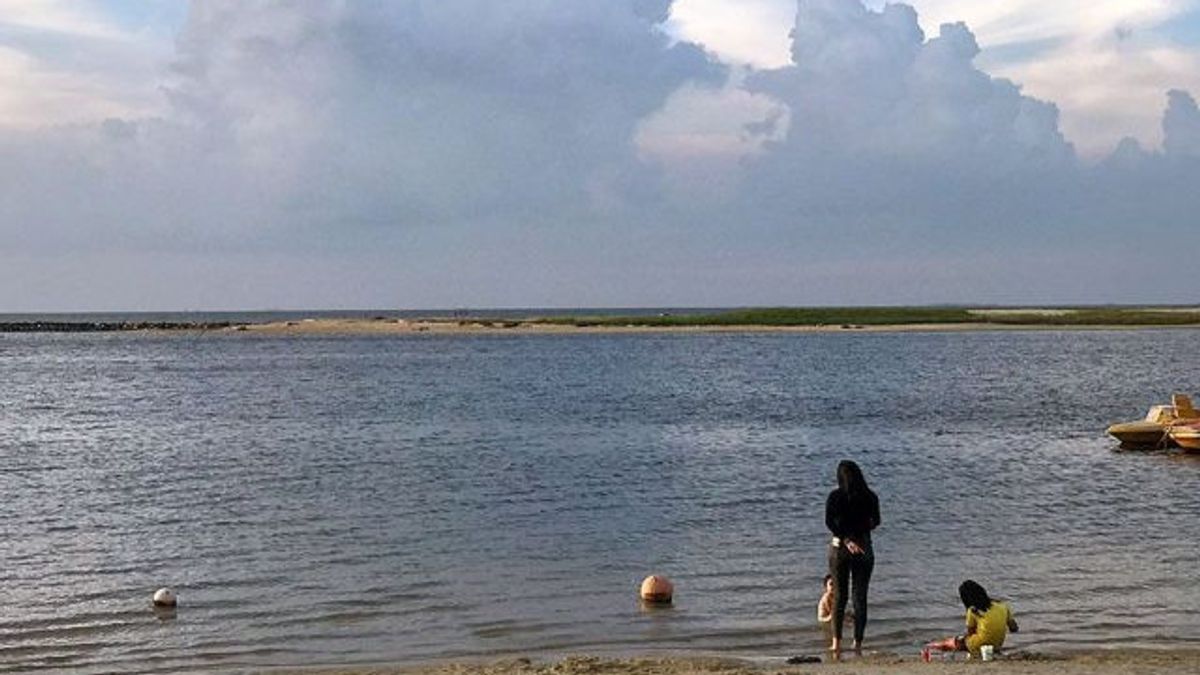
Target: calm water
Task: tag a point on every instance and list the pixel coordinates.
(334, 500)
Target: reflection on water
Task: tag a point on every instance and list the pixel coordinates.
(327, 500)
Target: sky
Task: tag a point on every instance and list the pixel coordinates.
(246, 154)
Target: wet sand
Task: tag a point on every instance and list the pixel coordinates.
(1167, 662)
(390, 326)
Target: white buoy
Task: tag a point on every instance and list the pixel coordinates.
(164, 597)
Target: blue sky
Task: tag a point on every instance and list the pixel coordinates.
(245, 153)
(156, 15)
(1185, 30)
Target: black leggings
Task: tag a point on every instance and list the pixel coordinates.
(850, 571)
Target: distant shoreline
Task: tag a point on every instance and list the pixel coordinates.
(805, 320)
(485, 327)
(434, 327)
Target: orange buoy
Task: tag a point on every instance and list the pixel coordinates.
(657, 589)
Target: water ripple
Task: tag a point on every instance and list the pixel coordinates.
(347, 499)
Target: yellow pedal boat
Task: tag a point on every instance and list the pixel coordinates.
(1186, 435)
(1153, 431)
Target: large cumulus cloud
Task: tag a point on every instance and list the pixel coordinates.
(478, 152)
(426, 109)
(884, 119)
(324, 118)
(898, 142)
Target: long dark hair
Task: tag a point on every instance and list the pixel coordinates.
(851, 481)
(974, 597)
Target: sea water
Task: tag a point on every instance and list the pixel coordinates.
(335, 500)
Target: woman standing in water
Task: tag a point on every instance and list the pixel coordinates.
(851, 512)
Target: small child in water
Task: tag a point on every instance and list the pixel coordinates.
(825, 604)
(988, 622)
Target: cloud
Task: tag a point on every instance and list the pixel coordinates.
(419, 110)
(1105, 64)
(880, 116)
(293, 120)
(1181, 125)
(66, 63)
(702, 134)
(422, 152)
(1024, 21)
(1108, 87)
(57, 16)
(899, 145)
(747, 32)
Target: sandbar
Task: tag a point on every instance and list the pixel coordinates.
(392, 326)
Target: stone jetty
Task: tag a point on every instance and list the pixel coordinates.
(106, 326)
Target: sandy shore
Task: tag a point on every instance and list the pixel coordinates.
(1169, 662)
(403, 326)
(390, 326)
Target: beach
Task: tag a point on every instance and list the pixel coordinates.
(474, 327)
(1170, 662)
(613, 321)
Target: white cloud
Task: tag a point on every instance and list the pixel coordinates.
(702, 134)
(898, 143)
(297, 120)
(35, 94)
(548, 152)
(868, 83)
(65, 63)
(1102, 61)
(750, 32)
(1109, 90)
(1023, 21)
(65, 17)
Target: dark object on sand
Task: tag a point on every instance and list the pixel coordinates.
(803, 658)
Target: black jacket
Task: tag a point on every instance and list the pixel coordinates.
(852, 518)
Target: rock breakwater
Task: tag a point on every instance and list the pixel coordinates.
(106, 326)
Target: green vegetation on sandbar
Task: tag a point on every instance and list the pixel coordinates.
(895, 316)
(1097, 317)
